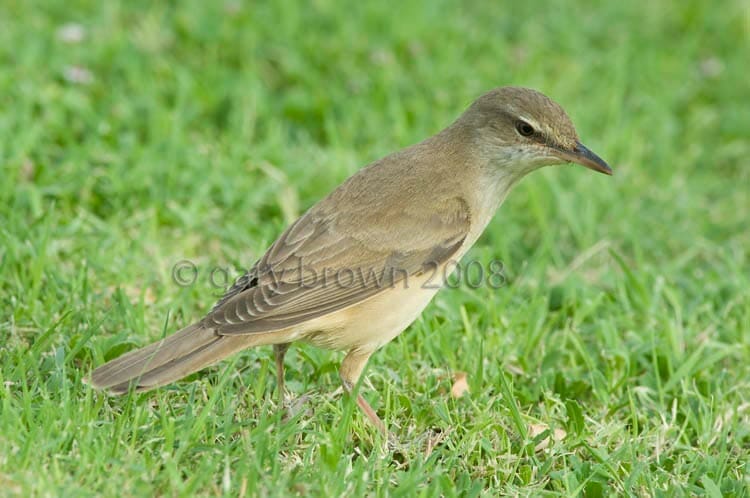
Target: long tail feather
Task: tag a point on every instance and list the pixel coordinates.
(168, 360)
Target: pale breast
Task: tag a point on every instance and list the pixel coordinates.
(376, 321)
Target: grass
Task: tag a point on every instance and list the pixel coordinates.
(198, 130)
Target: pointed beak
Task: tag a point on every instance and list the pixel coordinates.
(583, 156)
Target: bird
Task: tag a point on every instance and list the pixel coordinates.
(350, 274)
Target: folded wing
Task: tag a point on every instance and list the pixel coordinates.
(322, 264)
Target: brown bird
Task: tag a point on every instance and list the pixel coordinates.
(350, 273)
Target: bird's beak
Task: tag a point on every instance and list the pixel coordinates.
(583, 156)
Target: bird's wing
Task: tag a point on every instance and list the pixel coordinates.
(327, 262)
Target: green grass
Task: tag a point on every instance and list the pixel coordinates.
(198, 130)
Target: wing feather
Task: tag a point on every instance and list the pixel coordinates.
(320, 265)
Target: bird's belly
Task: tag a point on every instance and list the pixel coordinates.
(373, 323)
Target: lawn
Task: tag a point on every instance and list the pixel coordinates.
(615, 360)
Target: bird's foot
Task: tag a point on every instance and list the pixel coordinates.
(291, 406)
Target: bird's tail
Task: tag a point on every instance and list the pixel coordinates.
(169, 359)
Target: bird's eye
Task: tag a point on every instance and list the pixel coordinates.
(524, 128)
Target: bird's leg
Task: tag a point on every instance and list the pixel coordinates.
(279, 350)
(351, 369)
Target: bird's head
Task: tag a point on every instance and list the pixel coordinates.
(523, 129)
